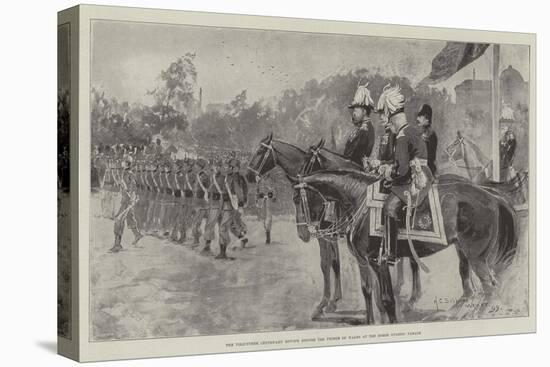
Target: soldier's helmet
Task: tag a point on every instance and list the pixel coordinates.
(201, 163)
(391, 101)
(362, 98)
(234, 163)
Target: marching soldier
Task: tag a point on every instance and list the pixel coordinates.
(178, 199)
(126, 214)
(172, 201)
(409, 178)
(424, 120)
(215, 201)
(265, 197)
(149, 193)
(184, 203)
(235, 193)
(361, 139)
(200, 199)
(154, 214)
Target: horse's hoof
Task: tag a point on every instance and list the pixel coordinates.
(316, 315)
(331, 307)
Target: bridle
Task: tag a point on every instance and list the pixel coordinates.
(313, 227)
(268, 152)
(346, 223)
(308, 167)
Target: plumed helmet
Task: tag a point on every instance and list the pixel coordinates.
(362, 97)
(391, 100)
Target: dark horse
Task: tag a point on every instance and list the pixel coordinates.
(294, 162)
(479, 222)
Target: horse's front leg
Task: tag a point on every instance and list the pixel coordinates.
(366, 288)
(386, 291)
(325, 269)
(335, 263)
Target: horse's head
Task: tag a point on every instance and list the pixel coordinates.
(455, 150)
(314, 193)
(310, 206)
(263, 160)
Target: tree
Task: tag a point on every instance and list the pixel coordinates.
(174, 95)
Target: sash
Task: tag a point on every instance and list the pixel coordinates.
(232, 198)
(202, 187)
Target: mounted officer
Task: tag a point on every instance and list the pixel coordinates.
(361, 139)
(409, 178)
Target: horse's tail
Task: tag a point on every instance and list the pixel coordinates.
(507, 237)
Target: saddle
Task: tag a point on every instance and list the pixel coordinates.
(426, 222)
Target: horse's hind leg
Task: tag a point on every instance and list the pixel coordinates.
(400, 279)
(416, 285)
(488, 282)
(325, 269)
(465, 273)
(335, 263)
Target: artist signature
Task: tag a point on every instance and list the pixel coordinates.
(443, 303)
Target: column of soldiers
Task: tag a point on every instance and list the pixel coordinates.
(147, 191)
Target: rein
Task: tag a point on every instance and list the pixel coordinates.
(348, 222)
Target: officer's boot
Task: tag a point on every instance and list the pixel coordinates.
(117, 246)
(206, 249)
(267, 237)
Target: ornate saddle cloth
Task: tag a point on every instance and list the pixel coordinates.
(426, 220)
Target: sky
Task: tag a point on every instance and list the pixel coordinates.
(128, 56)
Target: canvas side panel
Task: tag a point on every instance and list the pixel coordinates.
(67, 184)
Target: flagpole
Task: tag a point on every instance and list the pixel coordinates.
(496, 113)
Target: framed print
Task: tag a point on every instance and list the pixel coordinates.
(232, 183)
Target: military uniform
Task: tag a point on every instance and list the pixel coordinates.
(183, 205)
(410, 155)
(215, 207)
(430, 138)
(126, 213)
(360, 142)
(409, 176)
(386, 147)
(235, 195)
(200, 199)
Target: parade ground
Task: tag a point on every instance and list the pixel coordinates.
(162, 289)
